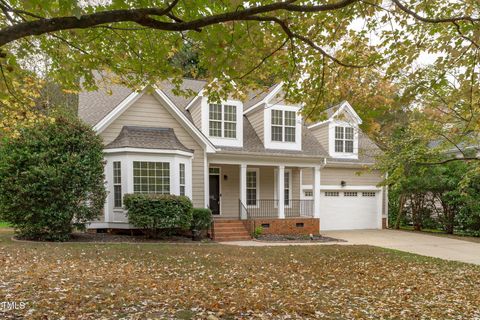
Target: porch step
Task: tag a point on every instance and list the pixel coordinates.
(230, 230)
(233, 239)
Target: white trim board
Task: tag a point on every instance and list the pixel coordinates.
(142, 150)
(266, 98)
(349, 188)
(345, 106)
(118, 110)
(189, 125)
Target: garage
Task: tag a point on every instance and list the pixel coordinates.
(352, 209)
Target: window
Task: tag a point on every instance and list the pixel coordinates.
(222, 121)
(230, 121)
(283, 126)
(214, 171)
(289, 126)
(308, 193)
(287, 188)
(182, 178)
(350, 194)
(344, 139)
(368, 194)
(117, 184)
(151, 177)
(331, 193)
(252, 188)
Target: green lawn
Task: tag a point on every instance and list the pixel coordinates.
(139, 281)
(4, 224)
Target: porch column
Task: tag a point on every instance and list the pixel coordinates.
(316, 192)
(280, 191)
(243, 189)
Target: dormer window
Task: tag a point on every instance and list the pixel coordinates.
(344, 139)
(283, 126)
(222, 121)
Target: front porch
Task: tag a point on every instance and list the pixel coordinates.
(253, 192)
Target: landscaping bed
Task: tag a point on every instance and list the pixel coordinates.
(124, 238)
(296, 238)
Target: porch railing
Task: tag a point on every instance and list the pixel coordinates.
(268, 208)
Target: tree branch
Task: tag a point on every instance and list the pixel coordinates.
(407, 10)
(144, 17)
(448, 160)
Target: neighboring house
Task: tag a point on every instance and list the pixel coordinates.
(252, 160)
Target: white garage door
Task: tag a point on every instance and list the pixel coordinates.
(346, 210)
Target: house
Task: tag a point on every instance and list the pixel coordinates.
(252, 162)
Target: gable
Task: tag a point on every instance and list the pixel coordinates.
(346, 113)
(148, 111)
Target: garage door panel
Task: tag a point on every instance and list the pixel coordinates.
(348, 212)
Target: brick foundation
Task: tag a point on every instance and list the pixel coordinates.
(304, 226)
(384, 223)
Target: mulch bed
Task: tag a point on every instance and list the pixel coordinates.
(123, 238)
(119, 238)
(296, 238)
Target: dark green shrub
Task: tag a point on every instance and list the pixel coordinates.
(51, 179)
(156, 212)
(201, 221)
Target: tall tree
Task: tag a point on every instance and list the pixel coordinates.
(309, 45)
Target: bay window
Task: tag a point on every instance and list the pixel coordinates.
(182, 178)
(117, 184)
(151, 177)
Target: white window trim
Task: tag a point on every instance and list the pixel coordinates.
(331, 142)
(185, 185)
(117, 184)
(267, 132)
(257, 171)
(221, 141)
(290, 185)
(171, 184)
(127, 160)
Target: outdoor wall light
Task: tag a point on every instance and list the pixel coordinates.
(343, 183)
(225, 177)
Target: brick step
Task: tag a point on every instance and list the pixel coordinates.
(232, 238)
(237, 233)
(224, 228)
(233, 223)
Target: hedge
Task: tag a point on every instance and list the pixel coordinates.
(156, 212)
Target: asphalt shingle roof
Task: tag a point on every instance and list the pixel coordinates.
(147, 138)
(94, 106)
(253, 144)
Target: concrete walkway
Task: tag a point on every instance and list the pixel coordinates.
(423, 244)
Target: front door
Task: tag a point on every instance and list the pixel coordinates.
(215, 193)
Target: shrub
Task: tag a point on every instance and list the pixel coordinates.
(257, 232)
(201, 221)
(51, 179)
(156, 212)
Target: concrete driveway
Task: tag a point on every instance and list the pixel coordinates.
(423, 244)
